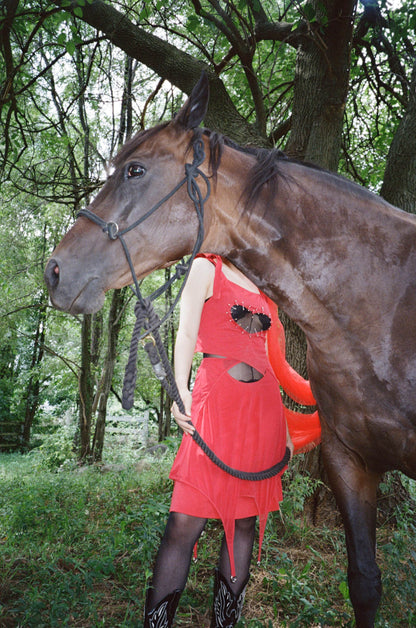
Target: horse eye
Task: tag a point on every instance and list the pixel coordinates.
(135, 171)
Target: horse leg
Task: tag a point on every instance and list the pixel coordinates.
(355, 490)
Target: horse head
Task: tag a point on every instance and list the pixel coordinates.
(88, 262)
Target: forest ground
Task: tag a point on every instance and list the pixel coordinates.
(77, 546)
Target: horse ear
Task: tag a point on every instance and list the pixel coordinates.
(195, 108)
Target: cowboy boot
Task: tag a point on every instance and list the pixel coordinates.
(161, 616)
(227, 606)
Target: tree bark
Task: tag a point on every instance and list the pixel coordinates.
(104, 388)
(86, 388)
(164, 413)
(33, 385)
(321, 85)
(399, 185)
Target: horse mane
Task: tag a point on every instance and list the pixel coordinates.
(263, 177)
(266, 172)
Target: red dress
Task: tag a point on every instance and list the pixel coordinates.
(242, 422)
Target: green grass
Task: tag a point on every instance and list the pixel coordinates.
(77, 546)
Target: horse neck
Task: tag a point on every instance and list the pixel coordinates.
(311, 249)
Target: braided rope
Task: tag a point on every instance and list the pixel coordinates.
(130, 373)
(254, 476)
(147, 317)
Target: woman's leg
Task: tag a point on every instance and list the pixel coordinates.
(174, 556)
(228, 594)
(245, 530)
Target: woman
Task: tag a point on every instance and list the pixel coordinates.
(236, 407)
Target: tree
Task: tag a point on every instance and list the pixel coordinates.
(328, 81)
(399, 184)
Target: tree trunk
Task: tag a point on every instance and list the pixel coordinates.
(103, 390)
(164, 413)
(161, 423)
(33, 386)
(321, 85)
(86, 388)
(399, 185)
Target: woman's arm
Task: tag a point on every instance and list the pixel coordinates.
(197, 289)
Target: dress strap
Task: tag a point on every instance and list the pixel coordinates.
(211, 257)
(216, 260)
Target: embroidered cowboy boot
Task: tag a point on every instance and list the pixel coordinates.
(227, 606)
(161, 616)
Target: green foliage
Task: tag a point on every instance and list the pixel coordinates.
(55, 451)
(80, 545)
(296, 591)
(84, 536)
(298, 489)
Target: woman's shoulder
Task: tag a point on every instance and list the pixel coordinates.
(204, 263)
(212, 258)
(202, 275)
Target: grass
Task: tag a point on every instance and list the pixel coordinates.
(77, 547)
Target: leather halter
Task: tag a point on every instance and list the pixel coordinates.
(113, 232)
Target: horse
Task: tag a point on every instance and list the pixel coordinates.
(338, 259)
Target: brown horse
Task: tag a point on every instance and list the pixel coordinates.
(340, 261)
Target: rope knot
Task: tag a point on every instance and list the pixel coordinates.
(181, 269)
(191, 171)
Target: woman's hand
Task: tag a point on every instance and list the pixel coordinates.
(183, 420)
(289, 444)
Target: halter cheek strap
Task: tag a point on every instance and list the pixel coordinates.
(113, 232)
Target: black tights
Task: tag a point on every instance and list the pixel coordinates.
(175, 554)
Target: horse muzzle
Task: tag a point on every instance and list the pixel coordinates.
(80, 294)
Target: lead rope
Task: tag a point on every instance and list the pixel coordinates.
(147, 318)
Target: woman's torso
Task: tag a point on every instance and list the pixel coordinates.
(234, 322)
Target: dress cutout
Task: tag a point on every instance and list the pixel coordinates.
(237, 409)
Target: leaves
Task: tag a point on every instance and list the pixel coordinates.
(63, 111)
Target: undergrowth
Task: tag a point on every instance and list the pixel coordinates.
(77, 547)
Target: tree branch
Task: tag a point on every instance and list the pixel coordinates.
(171, 63)
(244, 48)
(69, 363)
(275, 31)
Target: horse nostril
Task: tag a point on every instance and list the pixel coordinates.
(52, 273)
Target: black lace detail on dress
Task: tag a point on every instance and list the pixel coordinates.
(251, 322)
